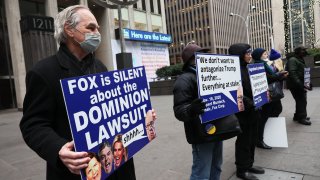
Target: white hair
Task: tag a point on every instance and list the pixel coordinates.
(67, 16)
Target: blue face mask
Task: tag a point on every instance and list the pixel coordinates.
(91, 41)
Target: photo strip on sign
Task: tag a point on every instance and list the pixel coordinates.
(110, 116)
(259, 84)
(307, 79)
(219, 85)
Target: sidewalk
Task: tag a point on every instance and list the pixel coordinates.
(169, 156)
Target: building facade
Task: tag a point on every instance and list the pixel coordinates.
(301, 18)
(25, 21)
(267, 25)
(206, 23)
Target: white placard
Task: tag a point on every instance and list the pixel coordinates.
(275, 132)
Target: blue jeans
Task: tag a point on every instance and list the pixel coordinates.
(207, 161)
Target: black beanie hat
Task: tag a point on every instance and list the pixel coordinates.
(239, 49)
(189, 51)
(257, 53)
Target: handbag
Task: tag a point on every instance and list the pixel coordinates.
(276, 91)
(225, 128)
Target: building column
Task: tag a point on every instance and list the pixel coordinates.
(278, 25)
(51, 7)
(16, 49)
(84, 2)
(148, 14)
(163, 14)
(131, 14)
(316, 23)
(105, 51)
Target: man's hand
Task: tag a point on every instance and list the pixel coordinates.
(74, 161)
(154, 115)
(197, 107)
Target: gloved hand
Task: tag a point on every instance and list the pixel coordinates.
(197, 107)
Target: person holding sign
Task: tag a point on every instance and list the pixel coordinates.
(44, 125)
(295, 84)
(274, 107)
(248, 119)
(207, 153)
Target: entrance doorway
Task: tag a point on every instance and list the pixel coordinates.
(7, 88)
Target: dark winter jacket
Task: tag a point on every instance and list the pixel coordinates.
(271, 76)
(245, 116)
(44, 125)
(295, 66)
(185, 91)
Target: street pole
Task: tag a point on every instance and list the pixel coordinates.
(120, 30)
(247, 26)
(271, 34)
(246, 21)
(272, 43)
(124, 60)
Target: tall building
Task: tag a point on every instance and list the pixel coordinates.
(267, 25)
(205, 22)
(301, 23)
(26, 36)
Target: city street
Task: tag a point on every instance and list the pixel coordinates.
(168, 157)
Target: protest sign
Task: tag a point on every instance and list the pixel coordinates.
(109, 111)
(307, 77)
(219, 85)
(259, 84)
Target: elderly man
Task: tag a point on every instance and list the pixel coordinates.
(44, 124)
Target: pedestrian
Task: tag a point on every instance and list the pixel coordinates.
(44, 125)
(272, 108)
(295, 83)
(248, 119)
(206, 153)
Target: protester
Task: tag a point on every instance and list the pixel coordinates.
(295, 83)
(44, 125)
(206, 153)
(273, 108)
(248, 119)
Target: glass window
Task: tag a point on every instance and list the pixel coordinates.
(31, 7)
(62, 4)
(125, 18)
(159, 7)
(143, 4)
(140, 20)
(151, 6)
(156, 22)
(7, 90)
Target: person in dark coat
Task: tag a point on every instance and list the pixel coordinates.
(248, 119)
(295, 83)
(206, 152)
(44, 125)
(272, 108)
